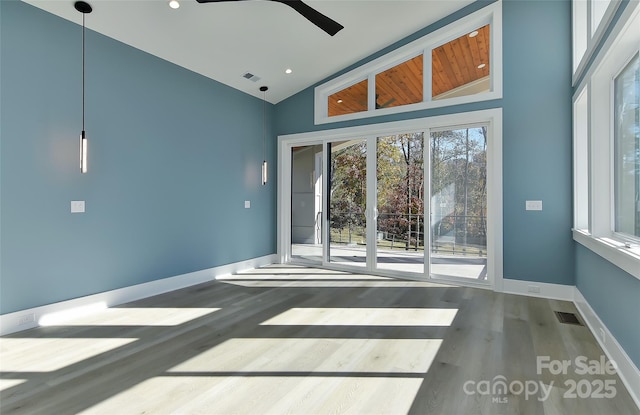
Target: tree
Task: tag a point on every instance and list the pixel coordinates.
(348, 186)
(401, 187)
(458, 183)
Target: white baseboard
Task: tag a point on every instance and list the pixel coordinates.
(626, 369)
(538, 289)
(27, 319)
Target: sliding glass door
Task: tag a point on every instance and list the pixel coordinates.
(306, 204)
(411, 203)
(459, 203)
(400, 191)
(347, 202)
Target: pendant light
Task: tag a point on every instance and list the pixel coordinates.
(83, 8)
(264, 134)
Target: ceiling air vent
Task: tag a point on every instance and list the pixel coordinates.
(251, 77)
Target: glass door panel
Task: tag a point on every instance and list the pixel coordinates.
(306, 203)
(400, 237)
(459, 203)
(347, 195)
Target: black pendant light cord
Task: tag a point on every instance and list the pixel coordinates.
(264, 126)
(83, 30)
(264, 122)
(83, 8)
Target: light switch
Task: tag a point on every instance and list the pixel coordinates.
(247, 204)
(533, 205)
(77, 206)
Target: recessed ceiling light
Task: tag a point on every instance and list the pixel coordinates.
(288, 70)
(473, 34)
(174, 4)
(339, 101)
(482, 65)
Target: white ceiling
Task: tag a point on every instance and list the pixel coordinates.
(225, 40)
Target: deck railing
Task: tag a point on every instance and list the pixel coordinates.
(452, 234)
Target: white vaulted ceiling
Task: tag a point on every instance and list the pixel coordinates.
(225, 40)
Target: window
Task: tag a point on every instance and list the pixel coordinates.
(626, 156)
(400, 85)
(581, 161)
(598, 10)
(457, 64)
(580, 37)
(606, 119)
(590, 18)
(461, 67)
(349, 100)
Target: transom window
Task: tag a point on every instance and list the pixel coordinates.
(349, 100)
(460, 63)
(461, 67)
(400, 85)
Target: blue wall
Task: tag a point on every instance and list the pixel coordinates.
(172, 158)
(536, 106)
(537, 162)
(613, 295)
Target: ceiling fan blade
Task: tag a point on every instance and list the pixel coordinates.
(323, 22)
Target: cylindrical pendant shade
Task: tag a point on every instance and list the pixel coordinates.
(264, 172)
(83, 152)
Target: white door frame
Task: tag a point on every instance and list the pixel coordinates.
(491, 117)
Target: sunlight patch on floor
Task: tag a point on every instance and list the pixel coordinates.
(8, 383)
(304, 355)
(45, 354)
(365, 317)
(148, 316)
(260, 395)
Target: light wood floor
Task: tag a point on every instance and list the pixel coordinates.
(293, 340)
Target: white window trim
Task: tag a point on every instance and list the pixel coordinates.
(593, 36)
(490, 117)
(628, 259)
(491, 14)
(614, 56)
(581, 148)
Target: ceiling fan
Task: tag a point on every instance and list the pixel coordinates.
(323, 22)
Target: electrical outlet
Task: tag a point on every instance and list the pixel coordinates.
(26, 319)
(77, 206)
(533, 288)
(533, 205)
